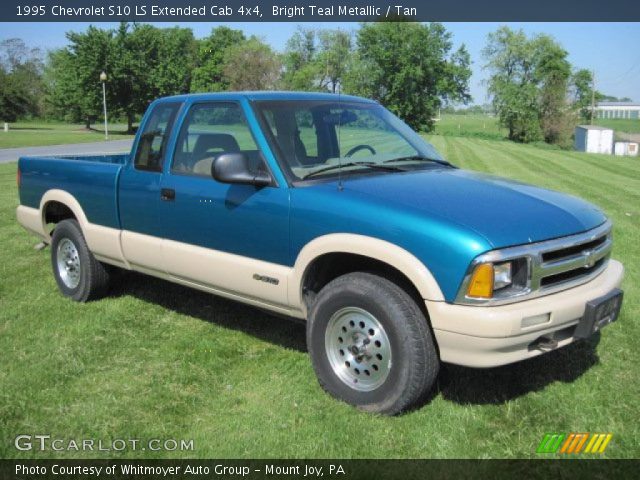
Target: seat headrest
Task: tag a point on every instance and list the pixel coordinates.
(221, 142)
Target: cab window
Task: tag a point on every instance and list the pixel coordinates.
(208, 131)
(153, 139)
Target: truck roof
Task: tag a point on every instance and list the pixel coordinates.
(266, 95)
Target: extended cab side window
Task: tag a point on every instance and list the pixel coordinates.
(153, 140)
(209, 130)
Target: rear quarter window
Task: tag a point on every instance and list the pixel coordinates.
(152, 146)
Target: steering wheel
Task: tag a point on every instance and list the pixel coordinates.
(357, 148)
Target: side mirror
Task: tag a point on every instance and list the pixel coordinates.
(234, 168)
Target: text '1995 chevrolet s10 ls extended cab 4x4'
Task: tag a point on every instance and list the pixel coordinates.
(330, 209)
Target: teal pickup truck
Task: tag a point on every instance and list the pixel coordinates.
(330, 209)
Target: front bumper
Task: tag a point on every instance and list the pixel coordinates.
(477, 336)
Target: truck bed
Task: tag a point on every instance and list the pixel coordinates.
(91, 179)
(117, 158)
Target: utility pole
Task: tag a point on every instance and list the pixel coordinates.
(593, 95)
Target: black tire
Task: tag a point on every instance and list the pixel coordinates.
(92, 277)
(413, 359)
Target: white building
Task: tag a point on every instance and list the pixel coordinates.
(626, 149)
(629, 110)
(593, 139)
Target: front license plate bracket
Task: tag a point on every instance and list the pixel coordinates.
(599, 313)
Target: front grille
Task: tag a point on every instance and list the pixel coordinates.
(571, 274)
(569, 251)
(575, 260)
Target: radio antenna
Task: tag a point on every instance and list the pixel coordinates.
(340, 187)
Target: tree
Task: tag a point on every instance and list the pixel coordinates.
(582, 93)
(358, 79)
(333, 58)
(147, 63)
(21, 85)
(177, 56)
(14, 99)
(251, 65)
(410, 68)
(208, 74)
(134, 57)
(553, 72)
(512, 83)
(529, 86)
(300, 68)
(317, 60)
(74, 75)
(63, 89)
(601, 97)
(142, 62)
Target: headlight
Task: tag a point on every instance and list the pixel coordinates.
(491, 280)
(501, 275)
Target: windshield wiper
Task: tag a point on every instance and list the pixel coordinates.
(373, 165)
(418, 158)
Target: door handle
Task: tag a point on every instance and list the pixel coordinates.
(167, 194)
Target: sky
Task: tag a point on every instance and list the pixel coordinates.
(611, 50)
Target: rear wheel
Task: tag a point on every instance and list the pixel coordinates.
(370, 344)
(77, 272)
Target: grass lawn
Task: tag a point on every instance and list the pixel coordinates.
(485, 126)
(156, 360)
(479, 126)
(35, 134)
(620, 125)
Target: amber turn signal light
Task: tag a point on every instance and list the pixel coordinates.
(481, 284)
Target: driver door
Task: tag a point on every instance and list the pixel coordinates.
(222, 236)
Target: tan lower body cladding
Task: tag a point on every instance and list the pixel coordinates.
(263, 284)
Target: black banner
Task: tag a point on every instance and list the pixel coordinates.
(317, 10)
(309, 469)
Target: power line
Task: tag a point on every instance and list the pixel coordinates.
(619, 78)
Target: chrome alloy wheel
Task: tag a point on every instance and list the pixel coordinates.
(68, 261)
(358, 348)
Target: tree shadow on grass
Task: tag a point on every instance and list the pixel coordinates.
(500, 384)
(455, 383)
(282, 331)
(11, 128)
(101, 131)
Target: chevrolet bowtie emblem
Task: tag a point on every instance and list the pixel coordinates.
(590, 258)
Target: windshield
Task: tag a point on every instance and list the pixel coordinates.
(314, 138)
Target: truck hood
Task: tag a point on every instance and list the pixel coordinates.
(504, 212)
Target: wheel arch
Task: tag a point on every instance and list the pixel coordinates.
(57, 205)
(104, 242)
(366, 253)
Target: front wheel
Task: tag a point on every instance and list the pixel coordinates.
(77, 272)
(370, 344)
